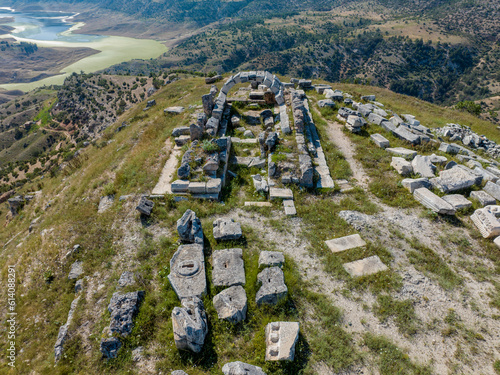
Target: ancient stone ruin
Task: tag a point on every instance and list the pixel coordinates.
(281, 338)
(190, 325)
(273, 287)
(187, 272)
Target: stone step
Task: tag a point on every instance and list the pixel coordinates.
(365, 267)
(345, 243)
(278, 193)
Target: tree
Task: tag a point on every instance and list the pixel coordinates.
(469, 106)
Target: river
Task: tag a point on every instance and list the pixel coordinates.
(56, 29)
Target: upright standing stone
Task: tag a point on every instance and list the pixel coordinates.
(189, 228)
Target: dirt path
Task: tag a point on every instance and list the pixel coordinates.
(168, 172)
(345, 145)
(431, 302)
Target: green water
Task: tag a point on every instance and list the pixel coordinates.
(113, 50)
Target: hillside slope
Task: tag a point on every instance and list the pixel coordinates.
(434, 311)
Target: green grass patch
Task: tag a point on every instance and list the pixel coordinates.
(391, 359)
(44, 115)
(426, 260)
(402, 311)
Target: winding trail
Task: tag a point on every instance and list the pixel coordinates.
(344, 144)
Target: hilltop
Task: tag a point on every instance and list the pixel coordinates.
(432, 307)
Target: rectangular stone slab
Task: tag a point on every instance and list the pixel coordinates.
(483, 197)
(492, 189)
(457, 201)
(277, 193)
(404, 152)
(345, 243)
(289, 207)
(430, 200)
(365, 267)
(380, 140)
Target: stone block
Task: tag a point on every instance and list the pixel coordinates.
(271, 259)
(289, 207)
(145, 206)
(402, 166)
(180, 131)
(380, 140)
(110, 346)
(187, 272)
(483, 198)
(457, 201)
(214, 186)
(403, 133)
(123, 308)
(174, 110)
(228, 267)
(281, 338)
(189, 228)
(226, 230)
(197, 187)
(422, 165)
(486, 222)
(277, 193)
(240, 368)
(430, 200)
(403, 152)
(453, 179)
(231, 304)
(345, 243)
(492, 189)
(413, 184)
(487, 175)
(273, 287)
(182, 140)
(365, 267)
(190, 325)
(179, 186)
